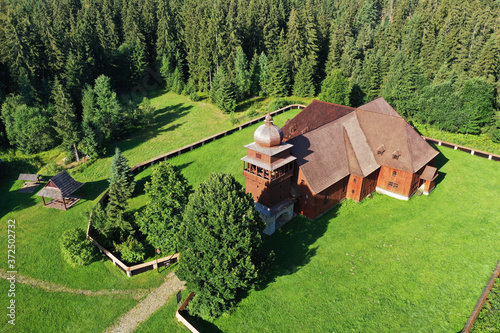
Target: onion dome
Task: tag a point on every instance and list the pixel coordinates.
(268, 135)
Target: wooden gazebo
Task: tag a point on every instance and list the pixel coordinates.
(60, 188)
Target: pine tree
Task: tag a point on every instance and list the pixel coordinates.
(65, 119)
(73, 76)
(279, 75)
(295, 40)
(220, 236)
(223, 91)
(107, 115)
(168, 193)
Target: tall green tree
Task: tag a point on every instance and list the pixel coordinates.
(219, 240)
(27, 128)
(304, 81)
(168, 193)
(223, 92)
(241, 75)
(121, 187)
(335, 89)
(65, 119)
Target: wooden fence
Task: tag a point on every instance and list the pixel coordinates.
(183, 320)
(482, 299)
(136, 269)
(471, 151)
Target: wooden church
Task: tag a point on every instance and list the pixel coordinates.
(330, 152)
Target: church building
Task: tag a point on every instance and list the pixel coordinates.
(330, 152)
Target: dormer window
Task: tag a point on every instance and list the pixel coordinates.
(293, 129)
(396, 154)
(380, 150)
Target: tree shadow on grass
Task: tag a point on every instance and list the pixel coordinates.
(163, 117)
(292, 246)
(200, 324)
(14, 201)
(243, 106)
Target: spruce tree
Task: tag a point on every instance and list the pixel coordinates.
(168, 193)
(220, 237)
(304, 84)
(241, 75)
(223, 91)
(264, 74)
(254, 73)
(121, 187)
(65, 119)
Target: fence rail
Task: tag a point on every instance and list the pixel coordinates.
(136, 269)
(471, 151)
(183, 320)
(479, 305)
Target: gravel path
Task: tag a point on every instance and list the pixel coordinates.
(136, 294)
(155, 300)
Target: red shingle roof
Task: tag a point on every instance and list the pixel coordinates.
(346, 141)
(316, 114)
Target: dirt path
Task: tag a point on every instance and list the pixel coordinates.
(155, 300)
(136, 294)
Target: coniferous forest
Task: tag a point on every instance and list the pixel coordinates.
(63, 63)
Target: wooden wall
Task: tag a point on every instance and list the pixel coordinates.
(397, 181)
(312, 206)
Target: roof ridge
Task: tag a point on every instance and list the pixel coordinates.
(408, 143)
(383, 114)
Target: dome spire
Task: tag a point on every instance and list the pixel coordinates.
(268, 135)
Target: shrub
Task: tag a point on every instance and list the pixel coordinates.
(131, 250)
(75, 247)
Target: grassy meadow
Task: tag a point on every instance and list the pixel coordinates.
(379, 265)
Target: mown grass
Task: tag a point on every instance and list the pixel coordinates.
(379, 265)
(38, 229)
(41, 311)
(433, 286)
(489, 317)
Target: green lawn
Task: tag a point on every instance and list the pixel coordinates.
(439, 250)
(41, 311)
(379, 265)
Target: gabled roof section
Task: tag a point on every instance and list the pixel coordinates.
(315, 115)
(65, 186)
(397, 136)
(430, 173)
(321, 155)
(380, 105)
(421, 152)
(357, 139)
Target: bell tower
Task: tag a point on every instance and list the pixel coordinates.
(268, 169)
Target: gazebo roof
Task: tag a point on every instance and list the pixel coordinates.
(63, 186)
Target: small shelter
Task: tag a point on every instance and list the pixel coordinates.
(428, 179)
(30, 182)
(60, 188)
